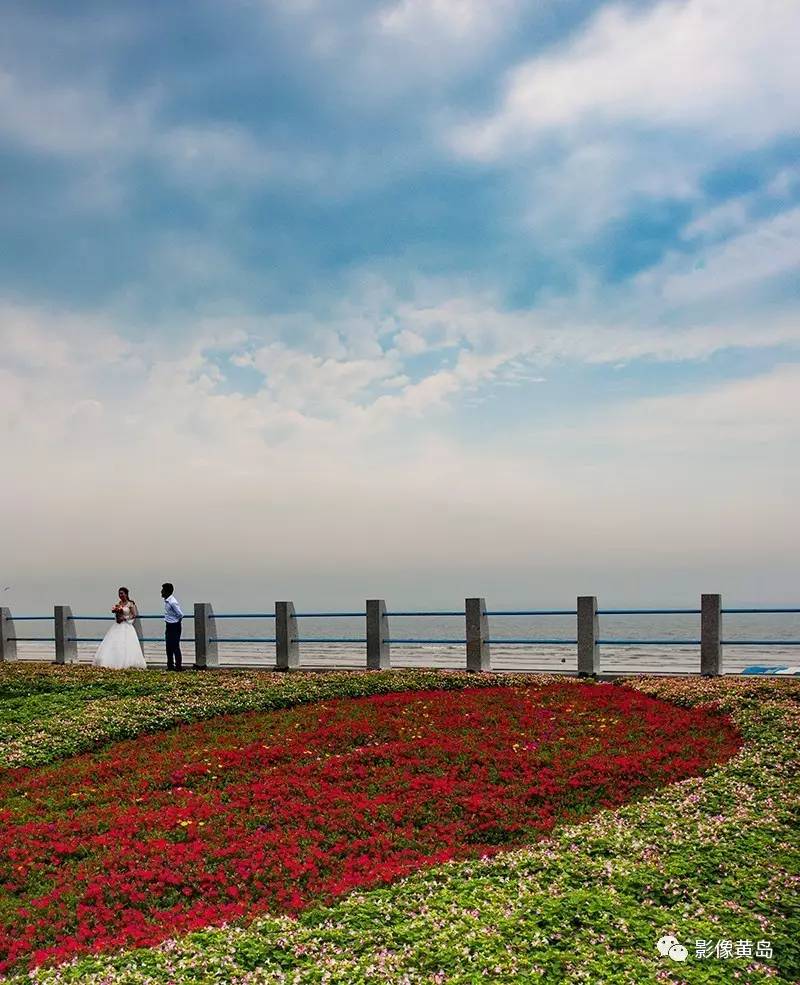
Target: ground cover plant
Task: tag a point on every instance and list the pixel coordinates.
(271, 812)
(48, 712)
(709, 857)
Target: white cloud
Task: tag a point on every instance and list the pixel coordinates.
(761, 412)
(380, 54)
(637, 106)
(724, 68)
(410, 343)
(71, 119)
(214, 153)
(568, 198)
(732, 216)
(81, 122)
(346, 371)
(28, 341)
(347, 449)
(309, 383)
(581, 331)
(434, 21)
(763, 251)
(209, 481)
(785, 183)
(719, 221)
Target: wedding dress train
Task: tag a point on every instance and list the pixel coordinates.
(120, 649)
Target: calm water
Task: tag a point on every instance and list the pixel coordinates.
(548, 657)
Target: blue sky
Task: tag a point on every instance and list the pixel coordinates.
(520, 278)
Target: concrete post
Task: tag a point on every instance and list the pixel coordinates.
(588, 634)
(287, 649)
(478, 655)
(377, 635)
(205, 636)
(8, 641)
(66, 647)
(710, 635)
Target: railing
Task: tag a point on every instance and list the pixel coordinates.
(26, 639)
(137, 625)
(377, 639)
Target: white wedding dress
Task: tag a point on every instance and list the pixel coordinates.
(121, 649)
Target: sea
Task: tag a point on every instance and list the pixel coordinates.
(545, 657)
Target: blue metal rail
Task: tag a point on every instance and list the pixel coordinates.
(532, 612)
(759, 610)
(110, 616)
(459, 614)
(244, 615)
(738, 611)
(144, 639)
(329, 615)
(648, 612)
(648, 642)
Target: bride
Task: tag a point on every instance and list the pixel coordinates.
(120, 649)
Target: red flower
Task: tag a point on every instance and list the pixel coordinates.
(275, 812)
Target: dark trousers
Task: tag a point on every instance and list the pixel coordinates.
(172, 638)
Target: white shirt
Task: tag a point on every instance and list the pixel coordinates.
(172, 611)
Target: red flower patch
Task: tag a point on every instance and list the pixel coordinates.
(274, 812)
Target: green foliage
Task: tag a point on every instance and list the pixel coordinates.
(714, 857)
(49, 712)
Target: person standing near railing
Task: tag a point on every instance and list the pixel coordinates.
(120, 648)
(172, 629)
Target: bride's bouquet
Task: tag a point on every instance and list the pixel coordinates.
(119, 615)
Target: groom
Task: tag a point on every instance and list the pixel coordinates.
(172, 627)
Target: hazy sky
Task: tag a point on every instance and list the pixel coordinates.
(328, 299)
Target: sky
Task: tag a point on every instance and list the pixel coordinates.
(415, 299)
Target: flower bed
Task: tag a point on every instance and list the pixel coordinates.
(48, 712)
(254, 813)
